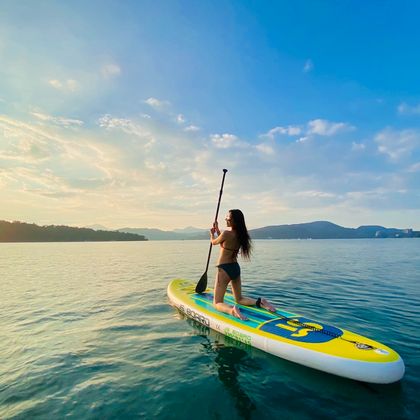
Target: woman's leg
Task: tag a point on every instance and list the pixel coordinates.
(242, 300)
(237, 293)
(222, 280)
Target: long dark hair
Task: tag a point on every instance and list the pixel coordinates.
(239, 226)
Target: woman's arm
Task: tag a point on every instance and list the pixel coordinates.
(219, 239)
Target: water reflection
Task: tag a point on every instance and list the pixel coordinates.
(230, 358)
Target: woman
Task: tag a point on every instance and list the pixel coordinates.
(231, 242)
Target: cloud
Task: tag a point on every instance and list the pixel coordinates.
(192, 128)
(356, 147)
(69, 85)
(25, 143)
(44, 162)
(404, 109)
(308, 67)
(265, 149)
(327, 128)
(315, 194)
(62, 121)
(105, 171)
(224, 141)
(289, 131)
(318, 127)
(180, 119)
(126, 125)
(110, 70)
(156, 103)
(397, 144)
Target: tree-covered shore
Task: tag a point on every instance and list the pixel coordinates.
(30, 232)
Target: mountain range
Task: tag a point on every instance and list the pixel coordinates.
(312, 230)
(25, 232)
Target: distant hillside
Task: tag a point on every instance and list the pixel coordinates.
(190, 230)
(25, 232)
(96, 227)
(164, 235)
(328, 230)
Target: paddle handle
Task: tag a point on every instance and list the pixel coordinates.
(217, 214)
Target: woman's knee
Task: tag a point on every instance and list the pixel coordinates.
(239, 300)
(216, 304)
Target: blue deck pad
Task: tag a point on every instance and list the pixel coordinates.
(231, 301)
(256, 317)
(288, 329)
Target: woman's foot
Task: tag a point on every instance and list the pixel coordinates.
(237, 313)
(267, 305)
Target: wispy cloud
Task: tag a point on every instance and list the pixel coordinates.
(315, 194)
(42, 161)
(308, 67)
(397, 144)
(322, 127)
(289, 131)
(69, 85)
(306, 132)
(128, 126)
(405, 109)
(157, 103)
(266, 149)
(110, 70)
(303, 139)
(224, 141)
(63, 121)
(192, 128)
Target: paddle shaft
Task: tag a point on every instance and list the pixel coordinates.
(217, 214)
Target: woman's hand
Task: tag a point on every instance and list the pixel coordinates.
(216, 227)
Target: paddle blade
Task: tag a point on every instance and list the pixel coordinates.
(202, 284)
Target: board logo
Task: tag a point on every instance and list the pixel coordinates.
(238, 336)
(195, 315)
(310, 332)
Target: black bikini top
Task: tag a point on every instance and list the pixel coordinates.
(234, 251)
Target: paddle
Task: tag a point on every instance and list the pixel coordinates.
(202, 283)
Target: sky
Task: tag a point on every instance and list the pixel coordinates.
(124, 114)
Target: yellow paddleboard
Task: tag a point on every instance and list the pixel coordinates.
(293, 337)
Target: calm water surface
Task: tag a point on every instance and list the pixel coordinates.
(86, 331)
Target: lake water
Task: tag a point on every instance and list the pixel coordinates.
(86, 331)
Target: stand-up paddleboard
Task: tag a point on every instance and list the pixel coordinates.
(293, 337)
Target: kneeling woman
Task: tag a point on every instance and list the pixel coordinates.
(231, 241)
